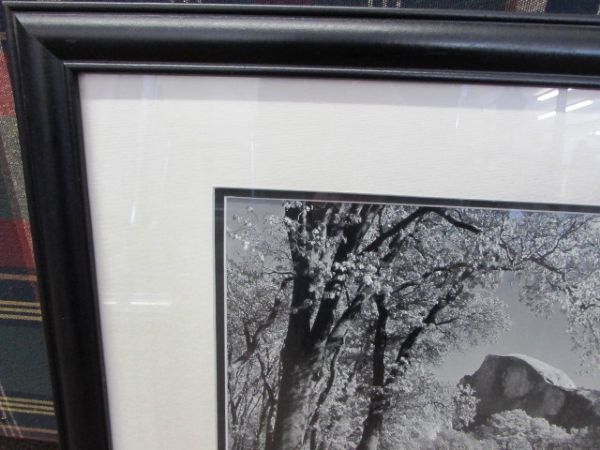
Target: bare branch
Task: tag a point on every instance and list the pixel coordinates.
(403, 224)
(456, 222)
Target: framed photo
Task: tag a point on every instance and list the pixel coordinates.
(289, 228)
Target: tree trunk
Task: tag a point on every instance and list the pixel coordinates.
(269, 429)
(311, 434)
(303, 349)
(374, 421)
(296, 360)
(294, 394)
(372, 425)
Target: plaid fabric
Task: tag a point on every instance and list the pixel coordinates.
(26, 408)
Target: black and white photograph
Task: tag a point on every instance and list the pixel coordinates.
(376, 323)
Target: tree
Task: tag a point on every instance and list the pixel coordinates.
(353, 300)
(256, 306)
(515, 429)
(454, 440)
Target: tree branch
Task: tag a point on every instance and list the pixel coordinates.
(403, 224)
(456, 222)
(252, 339)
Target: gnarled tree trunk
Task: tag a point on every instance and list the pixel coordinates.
(296, 360)
(294, 396)
(304, 347)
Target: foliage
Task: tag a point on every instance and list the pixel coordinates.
(450, 439)
(465, 407)
(515, 430)
(335, 312)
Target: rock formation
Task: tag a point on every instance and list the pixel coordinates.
(520, 382)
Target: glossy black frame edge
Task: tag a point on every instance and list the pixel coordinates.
(50, 43)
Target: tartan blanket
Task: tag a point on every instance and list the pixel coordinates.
(26, 408)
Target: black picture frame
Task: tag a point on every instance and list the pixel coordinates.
(50, 43)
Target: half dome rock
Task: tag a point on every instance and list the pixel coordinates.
(517, 381)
